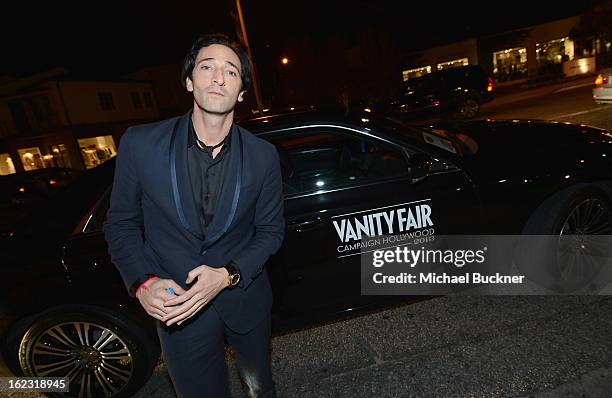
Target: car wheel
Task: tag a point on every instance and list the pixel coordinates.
(102, 354)
(577, 225)
(468, 108)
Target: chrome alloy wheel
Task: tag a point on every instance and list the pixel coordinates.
(469, 108)
(583, 240)
(96, 360)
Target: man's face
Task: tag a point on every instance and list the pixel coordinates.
(215, 81)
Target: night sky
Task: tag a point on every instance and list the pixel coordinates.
(107, 39)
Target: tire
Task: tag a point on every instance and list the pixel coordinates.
(467, 108)
(576, 225)
(103, 353)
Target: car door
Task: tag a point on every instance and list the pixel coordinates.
(85, 255)
(341, 185)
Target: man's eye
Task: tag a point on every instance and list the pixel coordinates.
(205, 67)
(232, 73)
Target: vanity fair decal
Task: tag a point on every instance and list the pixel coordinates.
(403, 223)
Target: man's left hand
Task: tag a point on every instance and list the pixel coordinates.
(210, 281)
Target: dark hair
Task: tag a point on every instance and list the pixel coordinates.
(217, 38)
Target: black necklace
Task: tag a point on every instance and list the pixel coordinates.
(210, 148)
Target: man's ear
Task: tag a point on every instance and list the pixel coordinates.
(241, 96)
(189, 84)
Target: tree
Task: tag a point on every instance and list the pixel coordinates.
(595, 23)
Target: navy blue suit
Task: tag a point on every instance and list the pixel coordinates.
(152, 189)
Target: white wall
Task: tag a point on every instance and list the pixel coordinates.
(83, 106)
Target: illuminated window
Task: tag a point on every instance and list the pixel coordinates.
(97, 150)
(416, 72)
(58, 156)
(555, 51)
(31, 158)
(6, 164)
(510, 64)
(453, 64)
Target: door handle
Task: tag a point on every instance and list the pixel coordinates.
(302, 225)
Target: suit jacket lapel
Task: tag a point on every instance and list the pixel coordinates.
(230, 192)
(180, 180)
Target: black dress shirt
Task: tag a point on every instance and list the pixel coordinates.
(206, 174)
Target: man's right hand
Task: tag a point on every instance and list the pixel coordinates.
(153, 294)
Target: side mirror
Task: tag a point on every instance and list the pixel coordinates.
(420, 166)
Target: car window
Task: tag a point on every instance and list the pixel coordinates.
(95, 220)
(313, 161)
(329, 159)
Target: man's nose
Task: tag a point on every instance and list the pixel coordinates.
(218, 77)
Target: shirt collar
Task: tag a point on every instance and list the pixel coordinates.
(192, 137)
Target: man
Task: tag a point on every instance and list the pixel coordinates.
(209, 196)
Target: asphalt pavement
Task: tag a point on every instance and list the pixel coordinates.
(513, 346)
(571, 101)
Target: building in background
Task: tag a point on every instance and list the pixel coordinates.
(441, 57)
(512, 57)
(172, 98)
(51, 120)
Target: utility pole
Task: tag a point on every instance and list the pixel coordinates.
(245, 39)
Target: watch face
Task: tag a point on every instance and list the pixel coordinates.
(234, 279)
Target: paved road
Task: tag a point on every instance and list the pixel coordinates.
(449, 347)
(573, 104)
(511, 346)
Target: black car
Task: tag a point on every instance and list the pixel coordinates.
(454, 92)
(20, 192)
(65, 308)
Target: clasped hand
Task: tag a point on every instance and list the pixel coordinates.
(178, 308)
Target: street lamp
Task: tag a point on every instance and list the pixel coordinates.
(243, 31)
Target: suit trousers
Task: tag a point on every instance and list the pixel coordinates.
(194, 355)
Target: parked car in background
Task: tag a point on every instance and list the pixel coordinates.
(602, 87)
(21, 192)
(66, 308)
(454, 92)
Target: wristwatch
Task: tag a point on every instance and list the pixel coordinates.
(233, 274)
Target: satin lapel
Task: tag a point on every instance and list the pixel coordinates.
(180, 180)
(230, 193)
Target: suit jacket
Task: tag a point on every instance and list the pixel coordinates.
(152, 188)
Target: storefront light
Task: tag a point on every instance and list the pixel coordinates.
(583, 65)
(6, 164)
(416, 72)
(96, 150)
